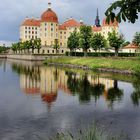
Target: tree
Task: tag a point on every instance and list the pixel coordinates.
(56, 45)
(85, 36)
(14, 47)
(125, 43)
(37, 44)
(73, 41)
(136, 39)
(32, 45)
(97, 41)
(123, 10)
(27, 44)
(115, 41)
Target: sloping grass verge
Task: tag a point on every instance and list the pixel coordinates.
(132, 65)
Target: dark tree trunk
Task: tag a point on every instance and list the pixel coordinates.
(85, 53)
(116, 52)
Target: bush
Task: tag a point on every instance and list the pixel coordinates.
(100, 54)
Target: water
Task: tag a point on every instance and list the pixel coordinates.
(37, 101)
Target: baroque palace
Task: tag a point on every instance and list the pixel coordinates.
(48, 29)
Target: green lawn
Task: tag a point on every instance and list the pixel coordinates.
(100, 62)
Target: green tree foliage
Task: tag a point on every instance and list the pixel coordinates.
(73, 41)
(85, 37)
(37, 44)
(136, 39)
(123, 10)
(32, 44)
(125, 43)
(115, 41)
(3, 49)
(97, 41)
(14, 47)
(56, 45)
(27, 45)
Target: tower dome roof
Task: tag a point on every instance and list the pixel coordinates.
(49, 15)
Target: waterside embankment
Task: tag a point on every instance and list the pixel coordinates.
(101, 64)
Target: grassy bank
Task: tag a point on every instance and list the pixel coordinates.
(132, 65)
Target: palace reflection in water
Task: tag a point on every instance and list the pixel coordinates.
(47, 81)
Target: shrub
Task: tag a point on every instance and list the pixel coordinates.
(100, 54)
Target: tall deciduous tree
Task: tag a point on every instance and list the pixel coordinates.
(85, 36)
(37, 44)
(136, 39)
(97, 41)
(14, 47)
(56, 45)
(115, 41)
(32, 46)
(73, 41)
(123, 10)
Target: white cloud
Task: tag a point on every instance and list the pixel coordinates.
(13, 12)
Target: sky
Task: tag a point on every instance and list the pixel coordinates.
(13, 12)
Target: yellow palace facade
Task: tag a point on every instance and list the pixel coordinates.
(48, 29)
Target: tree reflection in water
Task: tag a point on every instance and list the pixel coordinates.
(114, 94)
(135, 96)
(82, 87)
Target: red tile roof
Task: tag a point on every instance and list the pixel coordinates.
(96, 29)
(62, 27)
(71, 23)
(115, 23)
(131, 46)
(31, 22)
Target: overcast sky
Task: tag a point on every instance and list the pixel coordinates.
(13, 13)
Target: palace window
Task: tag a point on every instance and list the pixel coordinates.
(51, 29)
(51, 24)
(52, 51)
(61, 32)
(45, 24)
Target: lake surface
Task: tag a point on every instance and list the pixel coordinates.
(37, 101)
